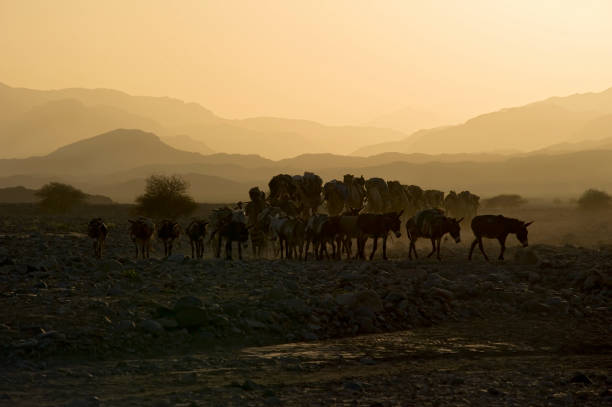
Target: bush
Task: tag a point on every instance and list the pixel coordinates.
(505, 201)
(57, 197)
(165, 197)
(594, 199)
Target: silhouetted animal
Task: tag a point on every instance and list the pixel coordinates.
(464, 204)
(497, 227)
(233, 232)
(253, 209)
(347, 231)
(398, 197)
(356, 191)
(432, 198)
(97, 230)
(312, 233)
(141, 233)
(375, 226)
(432, 224)
(196, 231)
(379, 199)
(308, 187)
(416, 199)
(290, 234)
(168, 232)
(335, 194)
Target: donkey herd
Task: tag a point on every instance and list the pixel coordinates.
(287, 223)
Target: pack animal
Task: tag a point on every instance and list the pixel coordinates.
(497, 227)
(377, 226)
(141, 232)
(97, 230)
(432, 224)
(168, 232)
(196, 231)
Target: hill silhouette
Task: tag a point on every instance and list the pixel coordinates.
(72, 114)
(117, 163)
(526, 128)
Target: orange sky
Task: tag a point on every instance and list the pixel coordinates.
(332, 61)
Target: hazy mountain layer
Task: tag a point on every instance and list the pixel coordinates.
(34, 122)
(526, 128)
(116, 164)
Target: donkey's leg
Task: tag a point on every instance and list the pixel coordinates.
(433, 247)
(481, 247)
(474, 243)
(385, 247)
(439, 241)
(502, 243)
(228, 249)
(374, 247)
(240, 250)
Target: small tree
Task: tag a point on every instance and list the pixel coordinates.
(165, 197)
(594, 199)
(58, 197)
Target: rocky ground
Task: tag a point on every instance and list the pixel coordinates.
(77, 331)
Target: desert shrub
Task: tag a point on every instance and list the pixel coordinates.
(594, 199)
(58, 198)
(165, 197)
(504, 201)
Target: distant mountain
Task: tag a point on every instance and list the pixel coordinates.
(113, 151)
(186, 143)
(525, 128)
(34, 122)
(116, 164)
(53, 124)
(409, 120)
(25, 195)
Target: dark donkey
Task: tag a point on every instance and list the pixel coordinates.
(432, 224)
(233, 231)
(497, 227)
(375, 226)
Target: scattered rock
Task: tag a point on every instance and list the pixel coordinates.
(151, 326)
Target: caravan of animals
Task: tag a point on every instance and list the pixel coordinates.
(286, 222)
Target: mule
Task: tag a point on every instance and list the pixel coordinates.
(432, 224)
(168, 232)
(377, 226)
(196, 231)
(141, 232)
(232, 231)
(97, 230)
(497, 227)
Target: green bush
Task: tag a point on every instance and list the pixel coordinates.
(594, 199)
(58, 198)
(165, 197)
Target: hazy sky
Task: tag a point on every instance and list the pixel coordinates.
(333, 61)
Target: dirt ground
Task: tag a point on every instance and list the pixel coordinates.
(533, 330)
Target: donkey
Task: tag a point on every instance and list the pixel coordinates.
(375, 226)
(289, 231)
(98, 231)
(433, 224)
(141, 233)
(196, 231)
(233, 231)
(497, 227)
(168, 231)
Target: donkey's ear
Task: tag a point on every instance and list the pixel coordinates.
(459, 220)
(400, 213)
(528, 223)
